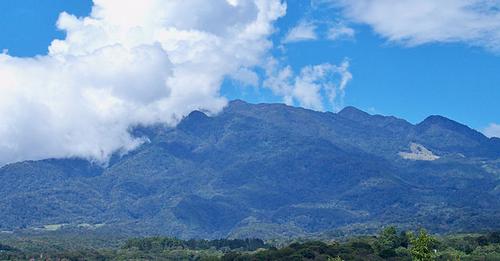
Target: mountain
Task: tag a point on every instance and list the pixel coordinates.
(268, 170)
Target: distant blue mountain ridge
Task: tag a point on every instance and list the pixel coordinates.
(268, 171)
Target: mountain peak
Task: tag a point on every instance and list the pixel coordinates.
(442, 122)
(354, 113)
(197, 115)
(351, 109)
(237, 102)
(236, 105)
(194, 120)
(438, 119)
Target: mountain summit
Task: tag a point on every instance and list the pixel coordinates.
(269, 170)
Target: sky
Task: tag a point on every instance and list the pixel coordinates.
(75, 76)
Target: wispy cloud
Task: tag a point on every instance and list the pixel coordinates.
(493, 130)
(415, 22)
(339, 32)
(317, 87)
(303, 31)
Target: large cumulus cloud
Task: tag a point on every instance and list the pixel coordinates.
(128, 63)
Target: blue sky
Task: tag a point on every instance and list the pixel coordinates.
(398, 67)
(29, 26)
(456, 80)
(451, 79)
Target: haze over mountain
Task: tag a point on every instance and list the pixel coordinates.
(269, 170)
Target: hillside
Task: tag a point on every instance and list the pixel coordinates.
(268, 170)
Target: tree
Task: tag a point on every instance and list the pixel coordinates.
(387, 242)
(421, 246)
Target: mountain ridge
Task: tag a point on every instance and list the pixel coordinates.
(267, 170)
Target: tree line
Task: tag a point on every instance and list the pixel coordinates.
(389, 244)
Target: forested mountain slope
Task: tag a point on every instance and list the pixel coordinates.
(269, 170)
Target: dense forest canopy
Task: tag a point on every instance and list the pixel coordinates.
(389, 244)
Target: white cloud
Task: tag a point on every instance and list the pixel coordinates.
(493, 130)
(310, 86)
(246, 77)
(340, 31)
(128, 63)
(303, 31)
(414, 22)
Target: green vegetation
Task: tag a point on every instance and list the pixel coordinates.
(422, 246)
(156, 244)
(389, 244)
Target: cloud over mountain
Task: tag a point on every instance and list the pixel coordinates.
(128, 63)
